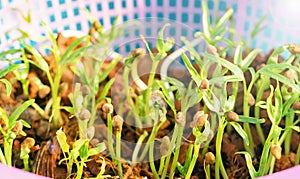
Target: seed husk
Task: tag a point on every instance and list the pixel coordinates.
(63, 88)
(180, 119)
(28, 143)
(212, 50)
(199, 119)
(84, 114)
(251, 100)
(44, 91)
(18, 128)
(232, 116)
(276, 150)
(164, 146)
(296, 105)
(294, 48)
(85, 90)
(204, 85)
(138, 52)
(210, 158)
(117, 122)
(108, 108)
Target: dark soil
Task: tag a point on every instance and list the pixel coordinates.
(46, 154)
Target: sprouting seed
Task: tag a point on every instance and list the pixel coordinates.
(212, 50)
(296, 105)
(180, 119)
(276, 150)
(28, 143)
(164, 146)
(157, 98)
(108, 108)
(199, 119)
(85, 90)
(210, 158)
(204, 85)
(117, 122)
(294, 48)
(44, 91)
(138, 52)
(18, 128)
(84, 114)
(251, 100)
(232, 116)
(96, 25)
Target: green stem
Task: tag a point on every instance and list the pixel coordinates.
(207, 171)
(265, 153)
(176, 154)
(219, 163)
(287, 142)
(93, 112)
(2, 157)
(151, 158)
(138, 146)
(80, 170)
(246, 111)
(25, 162)
(8, 144)
(297, 160)
(118, 153)
(150, 84)
(272, 164)
(109, 137)
(161, 164)
(257, 115)
(193, 162)
(172, 143)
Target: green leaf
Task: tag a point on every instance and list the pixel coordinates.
(97, 150)
(205, 20)
(4, 116)
(195, 75)
(237, 59)
(251, 120)
(16, 114)
(112, 64)
(223, 20)
(106, 90)
(73, 57)
(62, 140)
(25, 124)
(160, 45)
(252, 171)
(257, 27)
(268, 70)
(10, 68)
(249, 59)
(9, 52)
(71, 48)
(69, 109)
(278, 104)
(166, 95)
(274, 56)
(83, 151)
(41, 63)
(8, 86)
(240, 131)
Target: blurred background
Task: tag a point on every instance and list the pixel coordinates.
(280, 26)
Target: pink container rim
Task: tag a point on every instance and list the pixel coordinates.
(14, 173)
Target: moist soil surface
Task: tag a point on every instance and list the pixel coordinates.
(46, 154)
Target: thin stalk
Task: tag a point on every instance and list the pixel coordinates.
(151, 141)
(25, 162)
(272, 164)
(265, 153)
(193, 162)
(172, 143)
(8, 144)
(150, 84)
(2, 157)
(257, 115)
(287, 142)
(138, 146)
(207, 171)
(219, 163)
(161, 164)
(118, 153)
(93, 112)
(80, 169)
(297, 160)
(176, 154)
(109, 137)
(246, 111)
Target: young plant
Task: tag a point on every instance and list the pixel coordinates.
(26, 145)
(80, 150)
(62, 61)
(10, 127)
